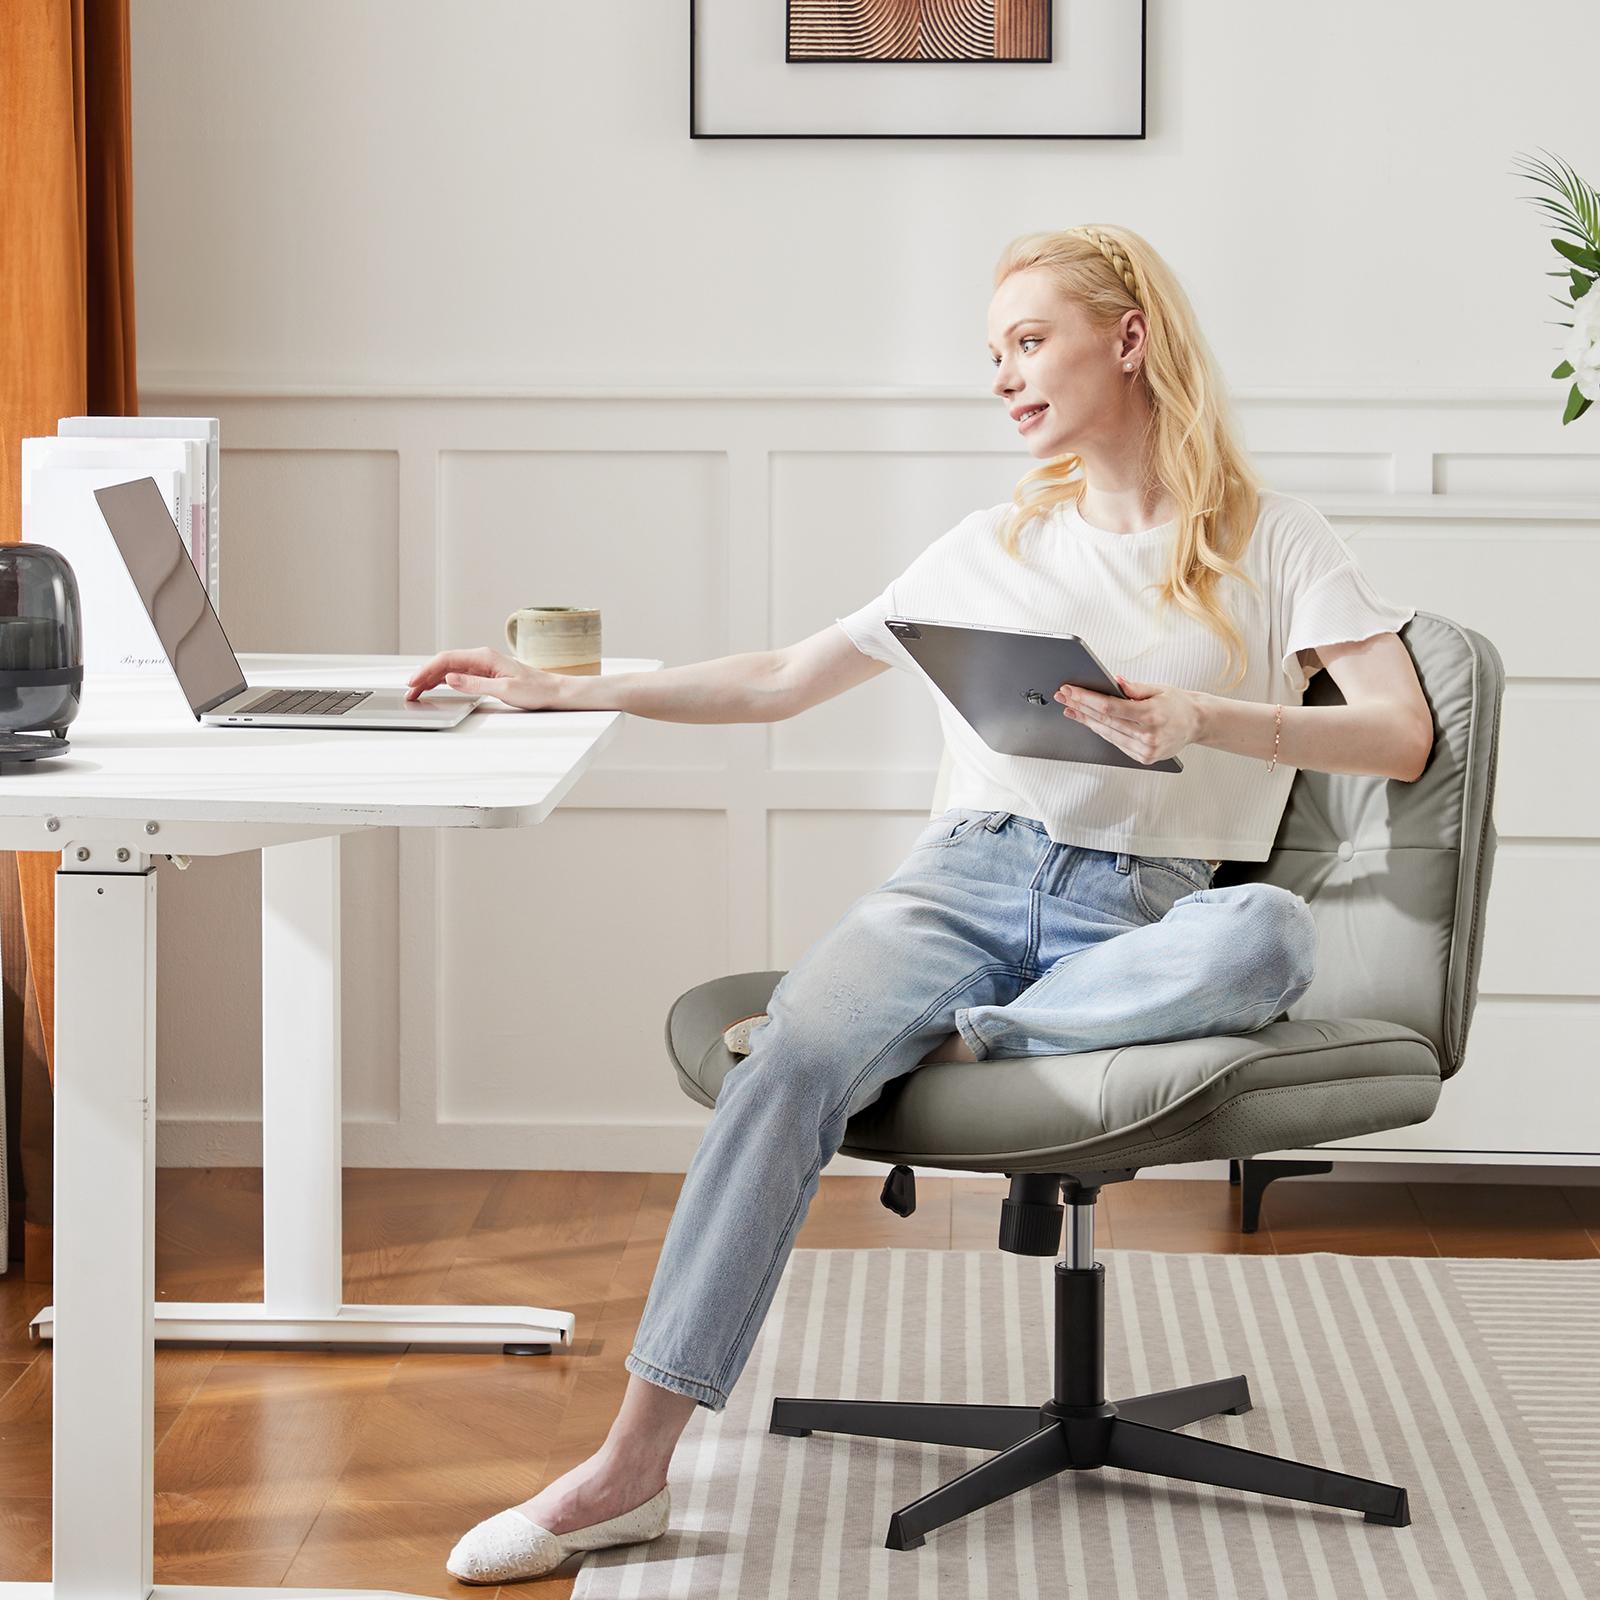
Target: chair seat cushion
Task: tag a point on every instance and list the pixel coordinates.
(1288, 1086)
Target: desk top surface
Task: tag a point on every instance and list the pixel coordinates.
(137, 751)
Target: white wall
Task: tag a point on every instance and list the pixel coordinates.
(411, 193)
(399, 248)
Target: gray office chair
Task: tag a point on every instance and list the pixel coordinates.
(1396, 875)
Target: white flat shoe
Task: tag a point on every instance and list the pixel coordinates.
(510, 1546)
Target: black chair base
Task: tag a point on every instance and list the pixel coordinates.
(1079, 1429)
(1038, 1442)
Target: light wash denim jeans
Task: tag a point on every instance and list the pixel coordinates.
(1024, 946)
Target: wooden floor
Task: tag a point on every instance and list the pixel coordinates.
(360, 1468)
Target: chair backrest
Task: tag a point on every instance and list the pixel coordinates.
(1396, 873)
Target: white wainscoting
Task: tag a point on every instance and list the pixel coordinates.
(506, 991)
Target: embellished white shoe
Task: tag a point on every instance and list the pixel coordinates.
(737, 1035)
(510, 1546)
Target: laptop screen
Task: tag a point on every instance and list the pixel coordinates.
(179, 607)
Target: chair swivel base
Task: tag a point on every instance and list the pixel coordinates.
(1078, 1428)
(1038, 1442)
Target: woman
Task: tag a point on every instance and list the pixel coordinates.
(1057, 906)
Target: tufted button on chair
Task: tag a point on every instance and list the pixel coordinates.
(1396, 875)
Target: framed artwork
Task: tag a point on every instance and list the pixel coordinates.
(916, 69)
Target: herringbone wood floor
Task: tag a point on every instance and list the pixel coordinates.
(360, 1468)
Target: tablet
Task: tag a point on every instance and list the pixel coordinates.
(1003, 681)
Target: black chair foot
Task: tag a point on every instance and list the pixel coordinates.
(1141, 1448)
(1400, 1517)
(1256, 1174)
(1173, 1408)
(916, 1422)
(1041, 1455)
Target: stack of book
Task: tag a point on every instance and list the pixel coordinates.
(59, 477)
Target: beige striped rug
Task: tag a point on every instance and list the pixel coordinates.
(1474, 1384)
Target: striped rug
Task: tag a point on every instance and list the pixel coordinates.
(1472, 1383)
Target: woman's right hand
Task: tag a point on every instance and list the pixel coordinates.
(488, 671)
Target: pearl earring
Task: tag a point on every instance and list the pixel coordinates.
(1127, 366)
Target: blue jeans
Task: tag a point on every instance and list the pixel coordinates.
(1024, 946)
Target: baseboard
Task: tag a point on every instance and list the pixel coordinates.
(670, 1146)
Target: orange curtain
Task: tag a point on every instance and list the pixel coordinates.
(66, 333)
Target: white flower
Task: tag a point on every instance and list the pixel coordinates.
(1582, 348)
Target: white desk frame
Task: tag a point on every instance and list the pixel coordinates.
(301, 1137)
(143, 778)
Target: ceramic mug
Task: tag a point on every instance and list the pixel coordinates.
(556, 638)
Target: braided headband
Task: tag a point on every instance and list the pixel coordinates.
(1120, 264)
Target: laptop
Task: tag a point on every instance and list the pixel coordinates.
(207, 669)
(1003, 683)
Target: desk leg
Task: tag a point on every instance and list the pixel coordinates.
(103, 1365)
(301, 1088)
(301, 1133)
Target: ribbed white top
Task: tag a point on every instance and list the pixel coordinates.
(1076, 578)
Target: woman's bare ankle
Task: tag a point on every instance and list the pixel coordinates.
(645, 1467)
(628, 1468)
(647, 1427)
(595, 1490)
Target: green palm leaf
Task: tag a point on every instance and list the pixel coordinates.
(1575, 213)
(1578, 211)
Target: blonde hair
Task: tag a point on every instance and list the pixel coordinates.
(1195, 457)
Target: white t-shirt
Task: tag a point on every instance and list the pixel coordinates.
(1076, 578)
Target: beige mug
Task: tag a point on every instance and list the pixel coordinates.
(556, 638)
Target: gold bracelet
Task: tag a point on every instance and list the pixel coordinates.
(1277, 729)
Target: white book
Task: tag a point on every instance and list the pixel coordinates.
(208, 429)
(194, 530)
(187, 505)
(59, 477)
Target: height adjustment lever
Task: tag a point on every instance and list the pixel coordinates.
(900, 1191)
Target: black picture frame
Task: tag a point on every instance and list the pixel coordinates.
(696, 132)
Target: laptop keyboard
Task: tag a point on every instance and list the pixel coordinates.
(310, 702)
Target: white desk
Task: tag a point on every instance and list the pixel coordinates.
(144, 779)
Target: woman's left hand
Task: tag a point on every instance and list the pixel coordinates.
(1157, 721)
